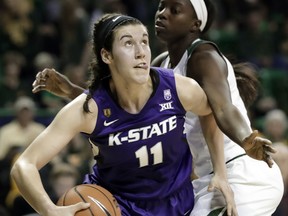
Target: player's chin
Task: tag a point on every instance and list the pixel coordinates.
(159, 33)
(142, 75)
(162, 32)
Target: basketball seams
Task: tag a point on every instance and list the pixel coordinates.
(83, 199)
(101, 200)
(111, 203)
(63, 200)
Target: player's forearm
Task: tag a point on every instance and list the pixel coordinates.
(28, 181)
(233, 124)
(215, 141)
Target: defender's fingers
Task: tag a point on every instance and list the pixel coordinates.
(38, 88)
(269, 160)
(269, 149)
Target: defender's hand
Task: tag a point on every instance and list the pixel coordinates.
(52, 81)
(259, 148)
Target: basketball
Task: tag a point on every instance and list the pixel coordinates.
(102, 202)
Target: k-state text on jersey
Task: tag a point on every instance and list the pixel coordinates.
(133, 135)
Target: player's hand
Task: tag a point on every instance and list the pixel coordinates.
(52, 81)
(222, 185)
(68, 210)
(259, 148)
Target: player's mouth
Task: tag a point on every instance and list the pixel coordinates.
(159, 25)
(142, 65)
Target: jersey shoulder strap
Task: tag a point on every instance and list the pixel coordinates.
(198, 42)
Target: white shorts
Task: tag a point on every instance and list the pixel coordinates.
(257, 189)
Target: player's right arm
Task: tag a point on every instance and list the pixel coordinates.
(55, 83)
(49, 143)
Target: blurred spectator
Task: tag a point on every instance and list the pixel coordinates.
(23, 129)
(12, 85)
(16, 22)
(63, 177)
(260, 107)
(59, 179)
(78, 154)
(76, 74)
(274, 83)
(46, 100)
(18, 28)
(45, 60)
(74, 31)
(5, 166)
(275, 126)
(13, 195)
(281, 57)
(48, 30)
(98, 8)
(256, 42)
(281, 158)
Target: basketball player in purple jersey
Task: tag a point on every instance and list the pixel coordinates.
(134, 116)
(181, 24)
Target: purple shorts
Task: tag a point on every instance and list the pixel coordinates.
(179, 203)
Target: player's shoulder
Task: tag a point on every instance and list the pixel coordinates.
(203, 50)
(159, 59)
(164, 73)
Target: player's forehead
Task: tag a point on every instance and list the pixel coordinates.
(131, 31)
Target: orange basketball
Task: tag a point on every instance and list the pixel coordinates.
(102, 202)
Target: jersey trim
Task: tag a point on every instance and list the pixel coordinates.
(218, 212)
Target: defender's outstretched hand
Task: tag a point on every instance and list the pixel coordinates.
(52, 81)
(222, 185)
(259, 148)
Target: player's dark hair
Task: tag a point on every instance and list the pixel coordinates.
(103, 37)
(247, 81)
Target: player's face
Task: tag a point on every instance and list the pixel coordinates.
(131, 54)
(174, 19)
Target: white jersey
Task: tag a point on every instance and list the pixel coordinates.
(258, 189)
(201, 157)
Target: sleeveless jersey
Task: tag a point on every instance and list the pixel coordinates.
(142, 156)
(201, 157)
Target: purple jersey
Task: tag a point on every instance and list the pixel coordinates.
(142, 156)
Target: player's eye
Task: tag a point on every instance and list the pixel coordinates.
(145, 42)
(128, 43)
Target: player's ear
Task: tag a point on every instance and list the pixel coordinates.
(195, 25)
(106, 56)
